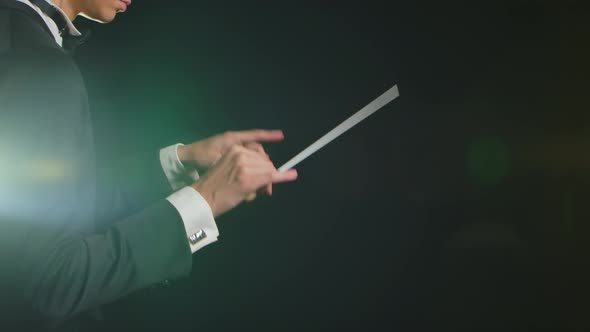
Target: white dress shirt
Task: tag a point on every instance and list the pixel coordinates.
(194, 210)
(196, 214)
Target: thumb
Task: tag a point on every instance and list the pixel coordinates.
(287, 176)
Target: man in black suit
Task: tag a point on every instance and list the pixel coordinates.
(71, 241)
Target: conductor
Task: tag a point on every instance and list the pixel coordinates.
(72, 240)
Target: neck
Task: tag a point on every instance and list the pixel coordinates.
(68, 6)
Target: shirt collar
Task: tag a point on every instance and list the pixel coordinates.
(72, 30)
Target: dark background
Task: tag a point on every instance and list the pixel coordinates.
(462, 205)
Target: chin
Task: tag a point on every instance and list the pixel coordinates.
(102, 17)
(107, 16)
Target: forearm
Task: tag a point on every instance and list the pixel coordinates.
(129, 185)
(75, 274)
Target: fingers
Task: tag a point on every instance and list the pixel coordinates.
(266, 190)
(239, 175)
(250, 197)
(255, 171)
(254, 146)
(260, 177)
(242, 158)
(259, 166)
(287, 176)
(249, 140)
(260, 135)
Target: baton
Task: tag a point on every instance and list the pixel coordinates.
(352, 121)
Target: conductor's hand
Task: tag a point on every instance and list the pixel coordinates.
(239, 173)
(205, 153)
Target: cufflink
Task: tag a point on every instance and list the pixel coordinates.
(198, 236)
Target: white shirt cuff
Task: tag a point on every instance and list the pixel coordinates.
(197, 217)
(174, 169)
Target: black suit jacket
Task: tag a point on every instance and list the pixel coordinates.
(56, 264)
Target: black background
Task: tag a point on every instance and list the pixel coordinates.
(462, 205)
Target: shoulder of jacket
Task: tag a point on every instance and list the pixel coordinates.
(20, 25)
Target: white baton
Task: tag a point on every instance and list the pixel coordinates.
(359, 116)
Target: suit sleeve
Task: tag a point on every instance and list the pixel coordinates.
(76, 273)
(128, 185)
(59, 266)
